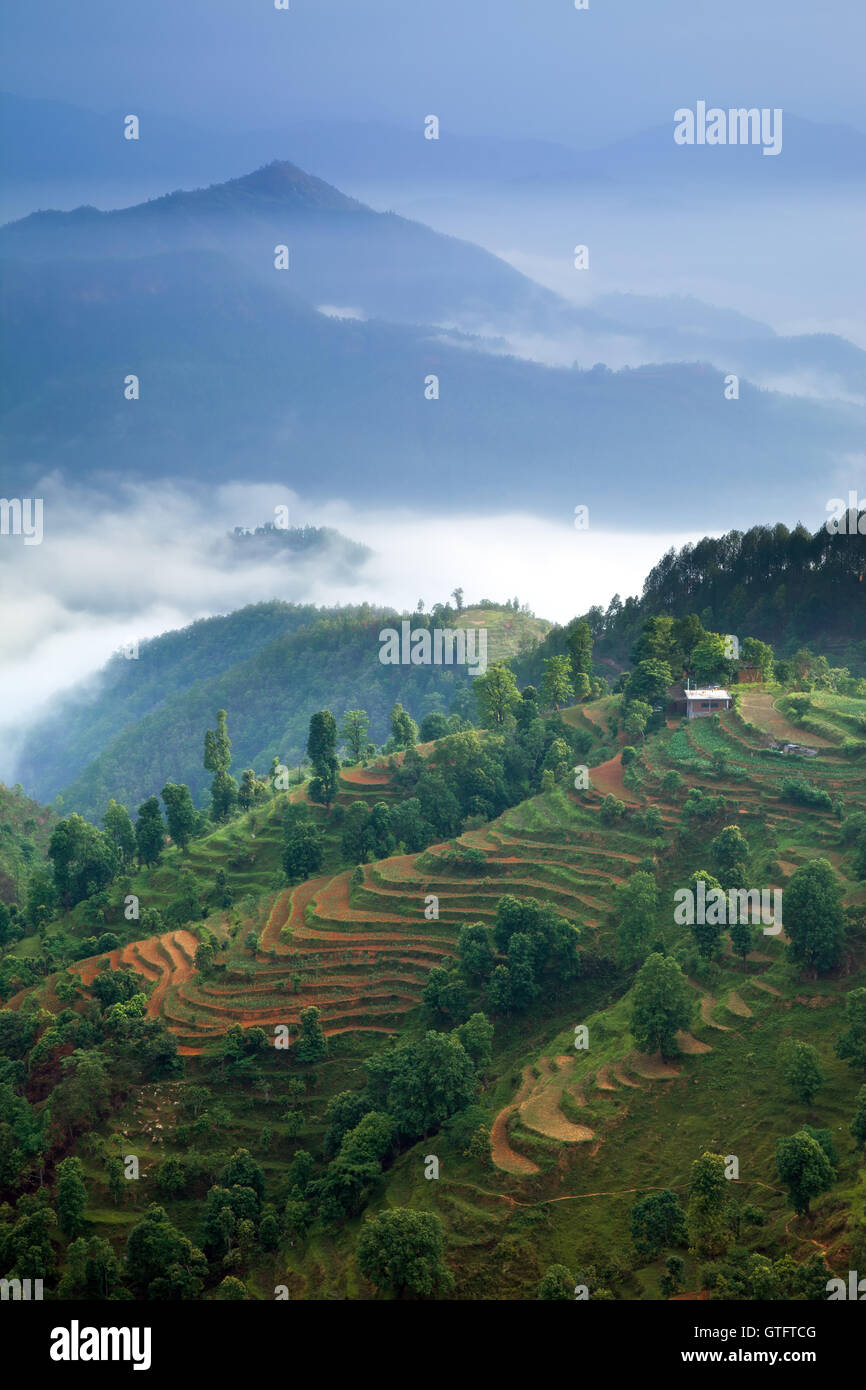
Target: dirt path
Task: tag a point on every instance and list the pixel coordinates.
(500, 1150)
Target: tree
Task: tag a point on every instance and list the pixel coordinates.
(658, 1221)
(672, 1280)
(636, 905)
(322, 752)
(649, 682)
(457, 595)
(149, 832)
(312, 1045)
(557, 1284)
(404, 730)
(475, 947)
(250, 789)
(116, 1177)
(303, 851)
(708, 660)
(408, 827)
(354, 731)
(801, 1068)
(496, 693)
(180, 813)
(354, 825)
(344, 1188)
(741, 939)
(71, 1196)
(804, 1168)
(119, 829)
(222, 892)
(655, 642)
(243, 1171)
(851, 1045)
(434, 725)
(476, 1035)
(218, 759)
(445, 994)
(84, 859)
(378, 842)
(402, 1252)
(584, 687)
(231, 1290)
(556, 686)
(708, 933)
(636, 717)
(40, 900)
(343, 1113)
(662, 1003)
(729, 852)
(578, 644)
(422, 1083)
(82, 1096)
(523, 986)
(814, 919)
(160, 1262)
(707, 1223)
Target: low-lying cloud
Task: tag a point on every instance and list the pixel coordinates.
(147, 559)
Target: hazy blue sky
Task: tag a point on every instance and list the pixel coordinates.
(519, 67)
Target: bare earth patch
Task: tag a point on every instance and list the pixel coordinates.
(607, 779)
(501, 1151)
(759, 709)
(541, 1112)
(603, 1081)
(653, 1068)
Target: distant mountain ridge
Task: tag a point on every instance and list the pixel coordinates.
(341, 252)
(239, 380)
(62, 141)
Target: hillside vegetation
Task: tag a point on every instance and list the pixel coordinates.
(556, 1139)
(270, 667)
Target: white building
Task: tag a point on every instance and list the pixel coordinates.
(700, 703)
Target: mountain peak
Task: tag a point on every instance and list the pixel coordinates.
(281, 181)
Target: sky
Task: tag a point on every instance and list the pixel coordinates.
(540, 69)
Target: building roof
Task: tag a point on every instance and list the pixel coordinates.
(715, 692)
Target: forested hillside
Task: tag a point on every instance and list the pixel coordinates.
(787, 587)
(25, 829)
(270, 667)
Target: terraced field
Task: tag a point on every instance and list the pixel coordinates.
(751, 777)
(362, 954)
